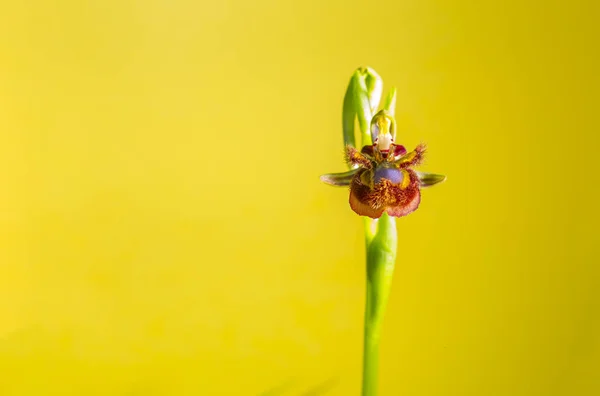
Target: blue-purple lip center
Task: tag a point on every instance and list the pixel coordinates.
(392, 174)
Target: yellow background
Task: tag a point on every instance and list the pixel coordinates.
(163, 230)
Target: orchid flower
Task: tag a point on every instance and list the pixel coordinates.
(383, 184)
(382, 178)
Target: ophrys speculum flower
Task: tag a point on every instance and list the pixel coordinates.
(383, 178)
(383, 182)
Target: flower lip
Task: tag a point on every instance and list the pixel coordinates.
(397, 199)
(385, 172)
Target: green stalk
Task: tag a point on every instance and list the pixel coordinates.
(381, 259)
(361, 101)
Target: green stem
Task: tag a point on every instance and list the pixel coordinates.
(381, 258)
(370, 350)
(360, 102)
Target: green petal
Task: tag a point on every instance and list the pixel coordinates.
(339, 179)
(430, 179)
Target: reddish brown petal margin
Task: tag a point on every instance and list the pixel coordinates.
(406, 208)
(407, 199)
(359, 194)
(384, 197)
